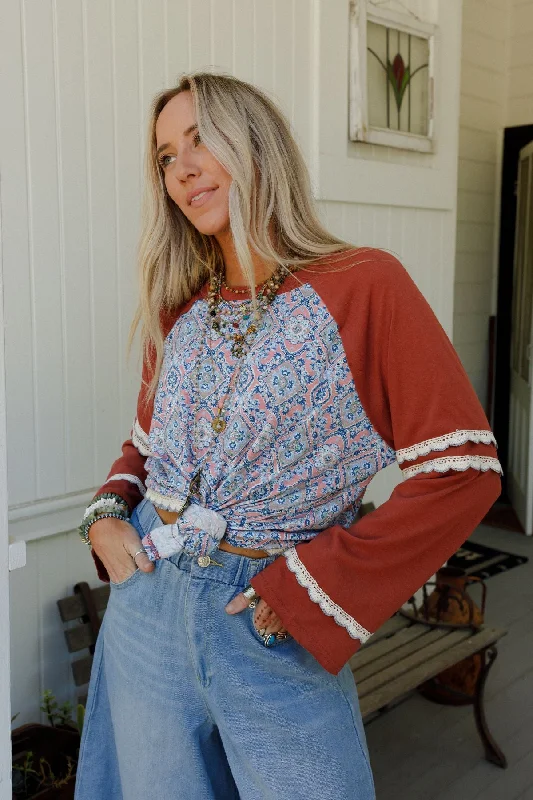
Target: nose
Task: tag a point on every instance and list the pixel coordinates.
(185, 166)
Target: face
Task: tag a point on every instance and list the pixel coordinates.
(194, 179)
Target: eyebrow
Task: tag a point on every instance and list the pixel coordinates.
(189, 130)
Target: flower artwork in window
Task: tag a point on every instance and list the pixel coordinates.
(391, 77)
(397, 79)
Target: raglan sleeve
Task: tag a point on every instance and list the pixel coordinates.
(127, 476)
(334, 591)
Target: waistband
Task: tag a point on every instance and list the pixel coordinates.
(235, 570)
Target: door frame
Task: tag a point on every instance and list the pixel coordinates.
(514, 140)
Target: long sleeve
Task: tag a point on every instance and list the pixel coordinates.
(334, 591)
(127, 476)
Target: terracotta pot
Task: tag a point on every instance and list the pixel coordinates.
(451, 603)
(53, 744)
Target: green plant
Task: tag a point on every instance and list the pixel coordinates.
(62, 714)
(27, 780)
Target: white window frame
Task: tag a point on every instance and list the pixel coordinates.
(361, 13)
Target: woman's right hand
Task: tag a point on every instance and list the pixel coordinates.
(115, 542)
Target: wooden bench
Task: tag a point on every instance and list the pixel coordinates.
(397, 659)
(403, 654)
(86, 609)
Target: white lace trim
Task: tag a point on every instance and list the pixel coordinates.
(164, 502)
(439, 443)
(140, 439)
(459, 463)
(317, 595)
(120, 476)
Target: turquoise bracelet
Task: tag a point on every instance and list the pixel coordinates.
(112, 506)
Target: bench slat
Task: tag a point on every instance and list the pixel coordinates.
(394, 624)
(80, 637)
(390, 684)
(73, 607)
(407, 647)
(81, 669)
(367, 654)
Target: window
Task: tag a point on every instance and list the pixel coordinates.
(391, 78)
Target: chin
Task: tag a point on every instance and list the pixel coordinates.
(210, 227)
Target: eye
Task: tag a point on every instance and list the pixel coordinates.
(163, 161)
(197, 139)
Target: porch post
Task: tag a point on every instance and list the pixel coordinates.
(5, 702)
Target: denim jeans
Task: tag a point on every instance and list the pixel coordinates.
(186, 702)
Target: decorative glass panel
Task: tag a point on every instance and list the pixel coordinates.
(397, 80)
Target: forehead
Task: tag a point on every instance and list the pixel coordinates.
(176, 117)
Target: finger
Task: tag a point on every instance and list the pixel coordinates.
(144, 563)
(274, 625)
(263, 614)
(238, 604)
(132, 546)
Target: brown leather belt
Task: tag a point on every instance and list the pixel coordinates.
(170, 517)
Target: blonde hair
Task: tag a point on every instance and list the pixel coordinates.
(270, 189)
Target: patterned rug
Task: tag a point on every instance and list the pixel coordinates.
(484, 562)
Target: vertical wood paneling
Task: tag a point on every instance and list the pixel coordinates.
(264, 43)
(128, 114)
(222, 29)
(152, 45)
(177, 39)
(45, 248)
(71, 122)
(303, 76)
(16, 267)
(284, 55)
(102, 210)
(243, 25)
(199, 34)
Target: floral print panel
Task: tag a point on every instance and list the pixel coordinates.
(298, 449)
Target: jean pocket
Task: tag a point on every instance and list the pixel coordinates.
(127, 581)
(272, 640)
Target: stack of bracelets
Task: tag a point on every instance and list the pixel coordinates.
(104, 505)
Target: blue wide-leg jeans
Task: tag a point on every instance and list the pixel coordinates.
(186, 703)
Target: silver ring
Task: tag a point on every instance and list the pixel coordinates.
(137, 553)
(251, 595)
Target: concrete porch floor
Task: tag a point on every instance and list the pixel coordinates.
(423, 751)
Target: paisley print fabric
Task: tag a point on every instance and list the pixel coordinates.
(298, 450)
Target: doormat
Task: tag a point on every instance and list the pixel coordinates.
(484, 562)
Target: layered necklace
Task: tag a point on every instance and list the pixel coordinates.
(240, 330)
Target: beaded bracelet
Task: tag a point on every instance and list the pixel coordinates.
(115, 507)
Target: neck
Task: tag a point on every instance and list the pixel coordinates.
(233, 274)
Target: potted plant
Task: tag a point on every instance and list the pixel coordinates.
(44, 757)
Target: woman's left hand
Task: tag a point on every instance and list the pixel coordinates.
(265, 619)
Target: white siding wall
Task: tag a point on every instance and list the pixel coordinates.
(483, 98)
(81, 78)
(520, 75)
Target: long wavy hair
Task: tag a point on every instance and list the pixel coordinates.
(270, 193)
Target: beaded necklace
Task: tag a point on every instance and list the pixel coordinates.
(228, 327)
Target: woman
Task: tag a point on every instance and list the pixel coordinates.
(282, 369)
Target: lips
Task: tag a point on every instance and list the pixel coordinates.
(202, 194)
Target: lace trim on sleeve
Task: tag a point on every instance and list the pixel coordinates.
(458, 463)
(439, 443)
(317, 595)
(140, 439)
(121, 476)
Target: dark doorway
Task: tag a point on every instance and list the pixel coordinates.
(514, 140)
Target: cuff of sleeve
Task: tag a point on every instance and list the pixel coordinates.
(321, 636)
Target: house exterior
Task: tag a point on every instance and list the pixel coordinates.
(80, 79)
